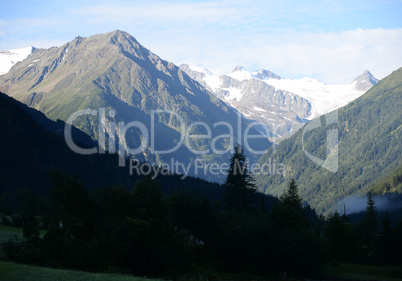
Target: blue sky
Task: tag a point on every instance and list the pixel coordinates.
(332, 41)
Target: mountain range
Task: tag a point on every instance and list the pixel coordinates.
(141, 106)
(284, 105)
(125, 82)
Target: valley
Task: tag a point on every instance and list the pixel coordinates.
(117, 160)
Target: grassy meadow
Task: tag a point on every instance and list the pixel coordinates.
(17, 272)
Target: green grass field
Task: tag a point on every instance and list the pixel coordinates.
(10, 232)
(17, 272)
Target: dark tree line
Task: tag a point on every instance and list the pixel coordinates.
(370, 241)
(143, 231)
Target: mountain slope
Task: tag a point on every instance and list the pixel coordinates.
(33, 146)
(391, 183)
(369, 148)
(281, 104)
(30, 152)
(114, 74)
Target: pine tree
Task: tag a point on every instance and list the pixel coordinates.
(289, 211)
(240, 190)
(370, 227)
(291, 196)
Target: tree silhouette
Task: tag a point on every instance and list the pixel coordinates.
(291, 196)
(289, 211)
(370, 228)
(240, 190)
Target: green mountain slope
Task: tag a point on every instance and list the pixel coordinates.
(32, 147)
(391, 183)
(369, 148)
(114, 73)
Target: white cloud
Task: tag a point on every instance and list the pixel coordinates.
(334, 57)
(189, 13)
(219, 35)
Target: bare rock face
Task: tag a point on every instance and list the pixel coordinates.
(365, 81)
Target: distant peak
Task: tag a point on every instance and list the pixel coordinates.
(365, 81)
(77, 40)
(238, 68)
(265, 74)
(118, 32)
(367, 73)
(115, 35)
(190, 68)
(364, 76)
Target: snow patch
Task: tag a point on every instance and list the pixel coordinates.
(11, 57)
(234, 94)
(259, 109)
(214, 82)
(322, 97)
(200, 69)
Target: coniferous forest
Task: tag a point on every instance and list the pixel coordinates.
(168, 227)
(145, 232)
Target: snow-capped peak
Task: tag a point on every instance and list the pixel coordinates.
(202, 74)
(239, 73)
(201, 70)
(11, 57)
(322, 97)
(238, 68)
(265, 74)
(305, 96)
